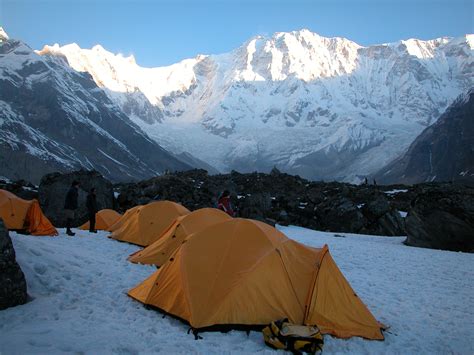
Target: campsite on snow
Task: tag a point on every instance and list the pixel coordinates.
(236, 177)
(101, 292)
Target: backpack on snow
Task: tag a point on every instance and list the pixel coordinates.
(295, 338)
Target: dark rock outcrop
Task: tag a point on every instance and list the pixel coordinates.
(442, 152)
(20, 188)
(340, 214)
(275, 198)
(54, 187)
(383, 218)
(442, 217)
(12, 279)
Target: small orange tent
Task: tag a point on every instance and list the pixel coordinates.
(18, 213)
(104, 219)
(122, 220)
(244, 272)
(159, 252)
(148, 222)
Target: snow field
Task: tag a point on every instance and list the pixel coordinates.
(79, 286)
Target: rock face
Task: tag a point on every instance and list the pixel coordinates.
(54, 187)
(12, 279)
(276, 198)
(442, 217)
(442, 152)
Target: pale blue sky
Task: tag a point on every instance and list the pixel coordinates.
(164, 32)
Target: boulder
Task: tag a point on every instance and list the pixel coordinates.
(382, 218)
(340, 214)
(54, 187)
(376, 208)
(256, 206)
(390, 224)
(12, 279)
(442, 217)
(283, 218)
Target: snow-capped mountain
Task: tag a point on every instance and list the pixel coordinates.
(54, 118)
(321, 107)
(442, 152)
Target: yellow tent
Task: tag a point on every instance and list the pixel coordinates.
(103, 220)
(148, 222)
(122, 220)
(244, 272)
(18, 213)
(159, 252)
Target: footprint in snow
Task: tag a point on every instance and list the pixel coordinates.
(65, 348)
(37, 343)
(45, 331)
(124, 350)
(35, 252)
(40, 269)
(86, 314)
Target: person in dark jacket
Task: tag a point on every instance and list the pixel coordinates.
(91, 204)
(70, 206)
(224, 203)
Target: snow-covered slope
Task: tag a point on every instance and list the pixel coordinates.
(320, 107)
(54, 118)
(79, 303)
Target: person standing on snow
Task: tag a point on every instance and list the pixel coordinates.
(224, 203)
(91, 204)
(70, 206)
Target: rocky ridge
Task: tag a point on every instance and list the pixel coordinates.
(276, 198)
(432, 215)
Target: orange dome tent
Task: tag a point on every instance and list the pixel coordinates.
(120, 222)
(103, 220)
(146, 223)
(244, 272)
(18, 213)
(159, 252)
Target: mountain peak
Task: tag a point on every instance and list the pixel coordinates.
(3, 35)
(470, 40)
(98, 48)
(131, 59)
